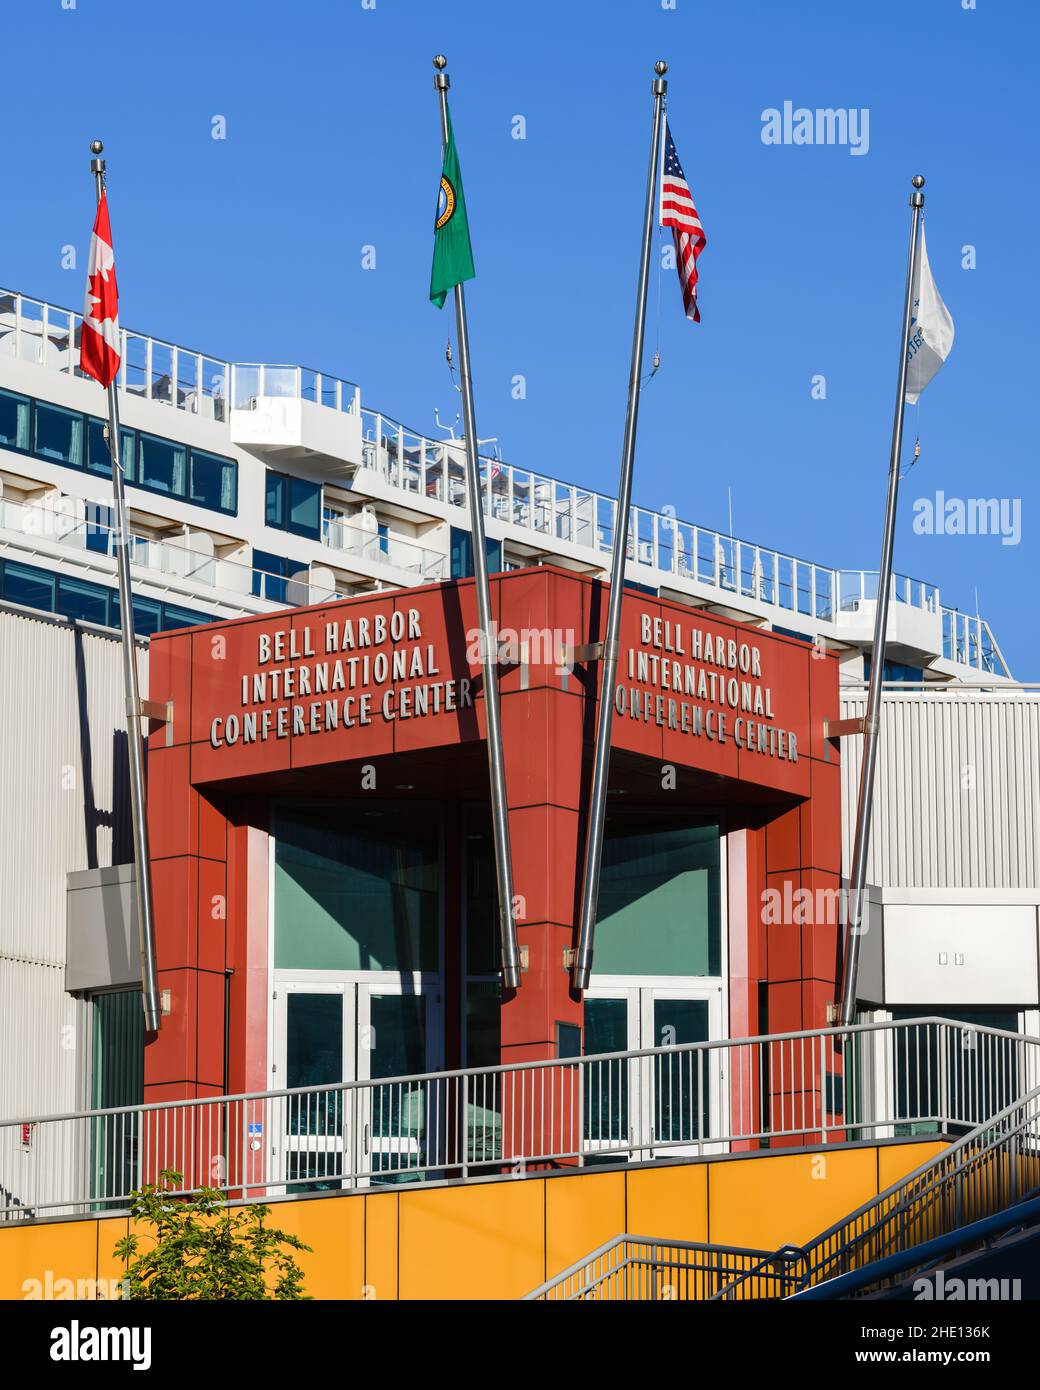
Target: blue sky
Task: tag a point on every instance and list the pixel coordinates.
(250, 247)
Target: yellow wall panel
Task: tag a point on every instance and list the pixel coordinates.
(669, 1202)
(109, 1231)
(335, 1229)
(485, 1241)
(381, 1246)
(580, 1215)
(786, 1198)
(502, 1239)
(67, 1249)
(896, 1160)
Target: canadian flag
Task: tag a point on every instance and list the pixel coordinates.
(99, 342)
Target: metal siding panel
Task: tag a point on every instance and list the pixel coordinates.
(933, 827)
(65, 796)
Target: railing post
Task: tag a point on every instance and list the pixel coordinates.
(464, 1122)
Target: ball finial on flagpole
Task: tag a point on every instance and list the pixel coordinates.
(96, 147)
(918, 180)
(440, 62)
(660, 67)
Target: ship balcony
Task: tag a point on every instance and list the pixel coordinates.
(292, 413)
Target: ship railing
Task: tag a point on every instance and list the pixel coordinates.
(32, 330)
(86, 527)
(914, 1077)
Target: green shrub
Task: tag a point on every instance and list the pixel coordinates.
(204, 1250)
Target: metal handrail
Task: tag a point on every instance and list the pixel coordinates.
(812, 1086)
(637, 1264)
(905, 1215)
(917, 1257)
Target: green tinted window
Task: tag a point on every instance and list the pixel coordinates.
(354, 890)
(659, 899)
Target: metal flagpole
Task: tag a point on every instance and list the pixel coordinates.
(601, 764)
(488, 640)
(142, 875)
(872, 719)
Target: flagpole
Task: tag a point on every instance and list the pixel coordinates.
(131, 693)
(488, 641)
(872, 719)
(601, 764)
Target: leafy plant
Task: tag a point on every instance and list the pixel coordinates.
(203, 1250)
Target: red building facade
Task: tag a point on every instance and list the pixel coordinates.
(371, 710)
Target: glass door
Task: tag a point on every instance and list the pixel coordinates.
(315, 1037)
(331, 1033)
(661, 1105)
(400, 1122)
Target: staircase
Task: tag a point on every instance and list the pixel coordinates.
(985, 1186)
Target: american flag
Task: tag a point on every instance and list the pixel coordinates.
(679, 213)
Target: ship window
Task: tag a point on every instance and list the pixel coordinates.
(99, 460)
(147, 615)
(161, 465)
(87, 602)
(182, 617)
(14, 421)
(462, 554)
(30, 587)
(269, 575)
(58, 434)
(293, 504)
(214, 481)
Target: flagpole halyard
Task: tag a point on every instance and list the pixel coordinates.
(872, 719)
(601, 763)
(488, 640)
(131, 690)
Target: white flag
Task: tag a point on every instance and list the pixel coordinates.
(931, 328)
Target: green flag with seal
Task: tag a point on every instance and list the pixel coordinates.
(452, 253)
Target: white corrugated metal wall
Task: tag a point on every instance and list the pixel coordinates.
(957, 794)
(64, 803)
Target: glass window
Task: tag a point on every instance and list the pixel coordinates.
(87, 602)
(214, 481)
(483, 955)
(483, 1023)
(274, 494)
(682, 1083)
(161, 465)
(606, 1109)
(14, 420)
(98, 521)
(269, 576)
(117, 1063)
(355, 888)
(304, 508)
(98, 458)
(182, 617)
(58, 434)
(462, 554)
(30, 587)
(659, 898)
(147, 615)
(293, 504)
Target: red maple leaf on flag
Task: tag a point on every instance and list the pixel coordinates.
(103, 294)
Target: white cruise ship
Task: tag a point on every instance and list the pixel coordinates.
(254, 486)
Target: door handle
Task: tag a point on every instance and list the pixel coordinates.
(367, 1137)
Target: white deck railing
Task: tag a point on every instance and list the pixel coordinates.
(558, 513)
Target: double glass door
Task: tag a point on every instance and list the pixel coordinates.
(326, 1034)
(654, 1106)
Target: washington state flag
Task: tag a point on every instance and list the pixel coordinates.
(452, 253)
